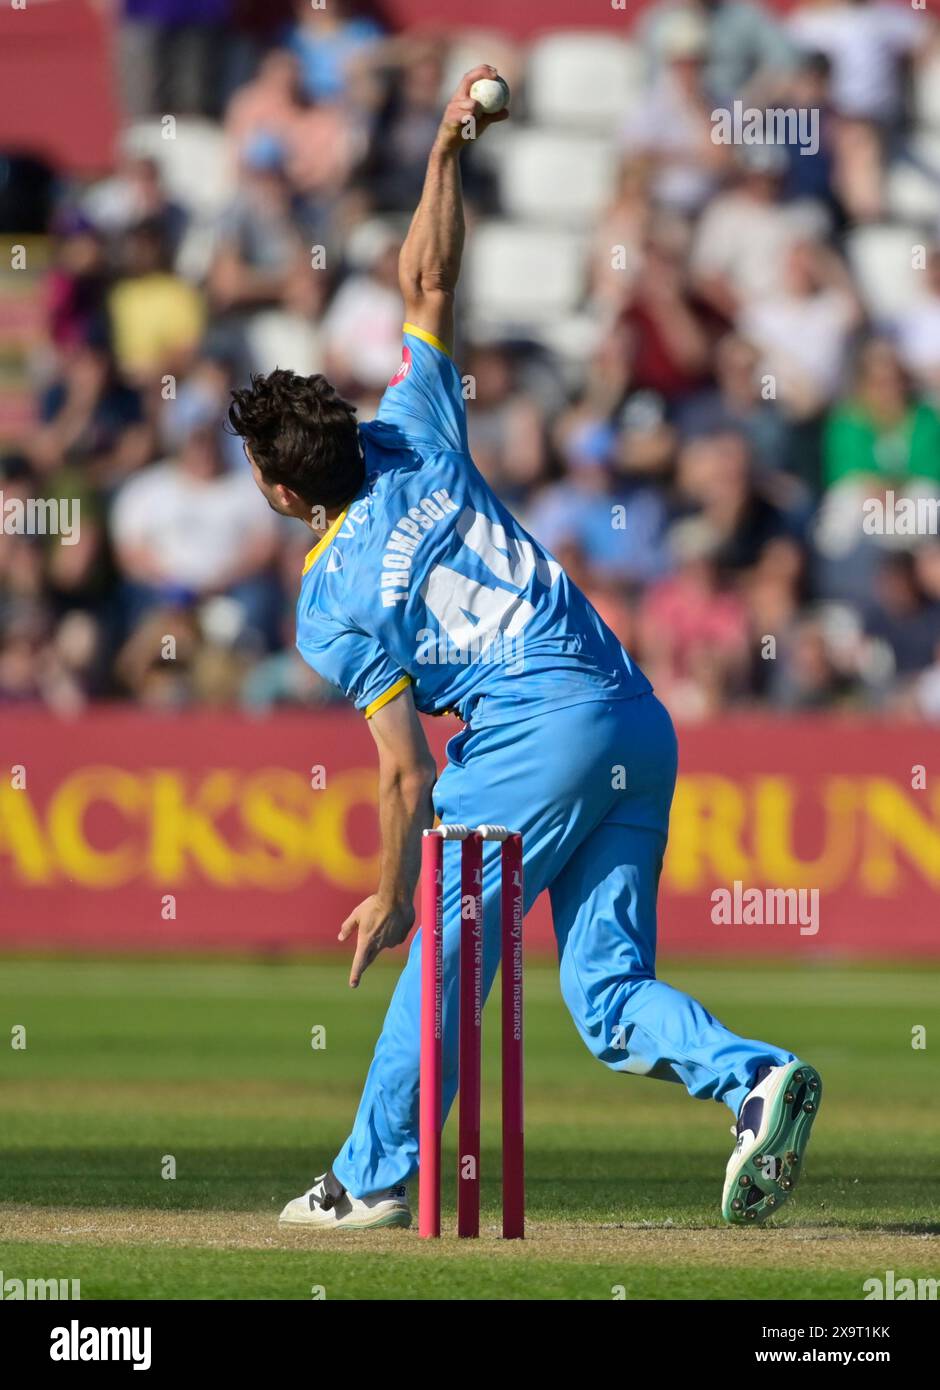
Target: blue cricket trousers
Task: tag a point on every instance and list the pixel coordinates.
(589, 786)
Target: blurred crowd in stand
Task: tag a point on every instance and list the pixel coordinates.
(691, 365)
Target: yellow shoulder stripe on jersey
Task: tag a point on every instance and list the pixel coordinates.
(325, 541)
(425, 337)
(387, 695)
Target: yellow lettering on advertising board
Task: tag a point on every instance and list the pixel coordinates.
(893, 822)
(775, 814)
(277, 810)
(21, 837)
(709, 815)
(330, 844)
(269, 829)
(184, 827)
(77, 859)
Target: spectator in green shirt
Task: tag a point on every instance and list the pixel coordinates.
(881, 431)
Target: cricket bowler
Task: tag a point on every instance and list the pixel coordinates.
(422, 594)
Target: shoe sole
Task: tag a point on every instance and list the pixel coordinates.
(785, 1133)
(391, 1218)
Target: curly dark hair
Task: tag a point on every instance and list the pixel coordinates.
(301, 433)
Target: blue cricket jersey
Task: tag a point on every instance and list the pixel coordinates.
(426, 579)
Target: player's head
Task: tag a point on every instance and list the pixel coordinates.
(302, 441)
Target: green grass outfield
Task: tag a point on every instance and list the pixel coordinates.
(211, 1062)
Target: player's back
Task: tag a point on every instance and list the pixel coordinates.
(427, 578)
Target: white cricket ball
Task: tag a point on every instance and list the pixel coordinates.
(492, 93)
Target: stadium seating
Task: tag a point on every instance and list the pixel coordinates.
(556, 178)
(520, 277)
(582, 80)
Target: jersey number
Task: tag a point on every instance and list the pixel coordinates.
(472, 613)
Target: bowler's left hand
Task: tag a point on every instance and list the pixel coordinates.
(379, 924)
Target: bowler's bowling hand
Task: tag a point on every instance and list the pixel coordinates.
(462, 107)
(378, 924)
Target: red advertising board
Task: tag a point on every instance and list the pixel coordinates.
(525, 19)
(124, 831)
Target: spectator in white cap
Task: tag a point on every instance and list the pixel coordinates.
(746, 50)
(672, 127)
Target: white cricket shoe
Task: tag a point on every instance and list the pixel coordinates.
(773, 1129)
(328, 1206)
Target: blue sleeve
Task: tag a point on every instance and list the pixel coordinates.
(424, 399)
(355, 663)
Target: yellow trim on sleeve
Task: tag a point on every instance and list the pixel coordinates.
(387, 695)
(426, 337)
(325, 541)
